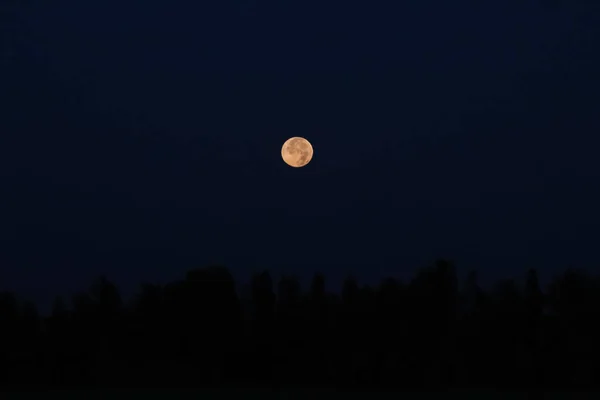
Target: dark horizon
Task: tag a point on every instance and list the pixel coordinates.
(432, 332)
(243, 282)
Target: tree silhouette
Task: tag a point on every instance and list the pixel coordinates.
(199, 331)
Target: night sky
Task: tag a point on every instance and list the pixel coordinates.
(139, 139)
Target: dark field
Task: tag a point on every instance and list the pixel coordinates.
(291, 394)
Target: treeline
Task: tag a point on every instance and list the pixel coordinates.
(428, 332)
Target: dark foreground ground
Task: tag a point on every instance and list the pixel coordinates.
(296, 394)
(426, 334)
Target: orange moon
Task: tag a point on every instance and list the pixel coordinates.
(297, 152)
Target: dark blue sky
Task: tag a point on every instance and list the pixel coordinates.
(141, 138)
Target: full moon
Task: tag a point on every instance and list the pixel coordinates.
(297, 152)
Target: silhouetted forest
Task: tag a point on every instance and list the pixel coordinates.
(430, 332)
